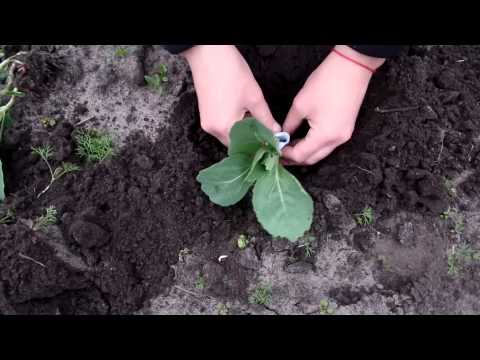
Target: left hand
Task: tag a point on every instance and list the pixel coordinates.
(330, 101)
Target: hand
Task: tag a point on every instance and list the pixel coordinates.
(330, 101)
(226, 90)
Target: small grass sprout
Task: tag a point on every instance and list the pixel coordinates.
(223, 309)
(242, 242)
(201, 283)
(48, 122)
(456, 218)
(307, 245)
(325, 308)
(157, 80)
(365, 217)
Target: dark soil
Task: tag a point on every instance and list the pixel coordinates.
(123, 222)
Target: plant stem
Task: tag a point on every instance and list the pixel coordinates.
(400, 109)
(7, 61)
(3, 112)
(52, 176)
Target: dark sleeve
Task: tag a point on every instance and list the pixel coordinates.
(176, 49)
(380, 51)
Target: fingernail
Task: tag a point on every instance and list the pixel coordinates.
(276, 128)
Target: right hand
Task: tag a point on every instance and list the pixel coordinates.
(226, 90)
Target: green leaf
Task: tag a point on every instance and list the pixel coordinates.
(15, 92)
(248, 135)
(270, 162)
(8, 120)
(226, 182)
(2, 183)
(282, 206)
(253, 172)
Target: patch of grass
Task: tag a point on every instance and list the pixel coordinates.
(201, 283)
(261, 295)
(365, 217)
(157, 80)
(47, 219)
(121, 52)
(94, 146)
(324, 308)
(457, 259)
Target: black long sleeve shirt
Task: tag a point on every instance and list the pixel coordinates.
(380, 51)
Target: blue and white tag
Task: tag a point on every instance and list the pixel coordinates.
(283, 139)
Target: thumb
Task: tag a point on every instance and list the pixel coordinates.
(294, 118)
(262, 113)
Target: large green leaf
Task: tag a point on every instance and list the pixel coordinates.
(228, 181)
(2, 183)
(282, 206)
(248, 135)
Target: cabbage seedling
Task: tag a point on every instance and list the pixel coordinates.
(282, 206)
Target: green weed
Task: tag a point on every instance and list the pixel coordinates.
(365, 217)
(47, 219)
(46, 152)
(325, 308)
(94, 146)
(261, 295)
(157, 80)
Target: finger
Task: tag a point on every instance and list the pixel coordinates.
(287, 162)
(221, 129)
(320, 155)
(262, 113)
(294, 118)
(303, 149)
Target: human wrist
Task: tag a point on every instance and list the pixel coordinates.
(368, 61)
(198, 52)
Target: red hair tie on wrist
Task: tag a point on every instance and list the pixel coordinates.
(353, 61)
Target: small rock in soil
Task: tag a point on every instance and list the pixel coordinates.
(363, 241)
(299, 267)
(406, 234)
(57, 243)
(338, 216)
(446, 80)
(248, 258)
(144, 162)
(87, 234)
